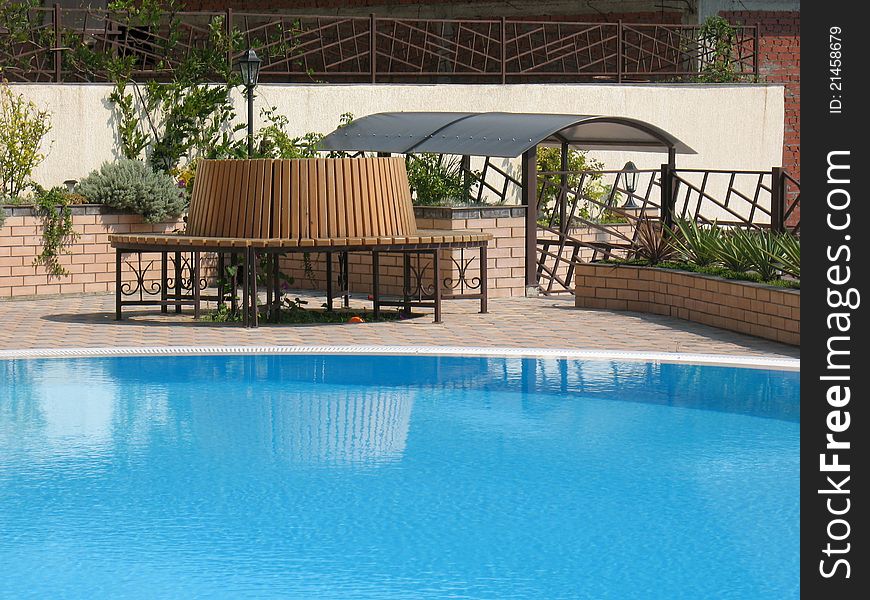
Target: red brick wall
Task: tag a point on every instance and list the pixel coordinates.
(450, 8)
(779, 62)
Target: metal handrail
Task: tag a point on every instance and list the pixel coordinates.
(485, 50)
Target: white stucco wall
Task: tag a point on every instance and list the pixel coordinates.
(730, 126)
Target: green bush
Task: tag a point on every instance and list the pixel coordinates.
(22, 127)
(788, 254)
(550, 161)
(438, 180)
(762, 247)
(697, 244)
(734, 250)
(132, 186)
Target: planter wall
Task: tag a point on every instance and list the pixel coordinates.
(91, 261)
(746, 307)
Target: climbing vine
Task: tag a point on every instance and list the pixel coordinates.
(53, 208)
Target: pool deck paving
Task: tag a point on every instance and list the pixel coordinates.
(88, 321)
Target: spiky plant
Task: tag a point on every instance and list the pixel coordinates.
(762, 248)
(733, 250)
(654, 243)
(788, 254)
(697, 244)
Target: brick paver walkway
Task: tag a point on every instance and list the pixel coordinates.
(88, 322)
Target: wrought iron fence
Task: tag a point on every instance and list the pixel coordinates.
(67, 45)
(584, 216)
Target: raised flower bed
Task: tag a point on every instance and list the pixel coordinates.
(748, 307)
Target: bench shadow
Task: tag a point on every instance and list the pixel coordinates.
(157, 319)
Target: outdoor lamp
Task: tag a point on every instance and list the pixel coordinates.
(629, 171)
(249, 68)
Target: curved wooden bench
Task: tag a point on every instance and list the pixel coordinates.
(273, 207)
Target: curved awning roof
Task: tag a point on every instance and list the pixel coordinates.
(496, 133)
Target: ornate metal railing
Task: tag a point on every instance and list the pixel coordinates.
(584, 216)
(68, 45)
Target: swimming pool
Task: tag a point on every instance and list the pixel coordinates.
(396, 477)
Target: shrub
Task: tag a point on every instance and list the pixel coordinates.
(22, 127)
(550, 161)
(653, 243)
(762, 248)
(697, 244)
(788, 254)
(132, 186)
(734, 250)
(438, 180)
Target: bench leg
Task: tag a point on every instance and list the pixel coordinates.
(484, 290)
(376, 301)
(254, 293)
(221, 287)
(329, 289)
(344, 275)
(117, 284)
(234, 283)
(270, 287)
(277, 288)
(178, 282)
(246, 304)
(164, 276)
(436, 273)
(406, 283)
(197, 292)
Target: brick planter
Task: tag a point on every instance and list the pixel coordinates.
(506, 253)
(746, 307)
(90, 262)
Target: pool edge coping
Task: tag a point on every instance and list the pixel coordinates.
(748, 361)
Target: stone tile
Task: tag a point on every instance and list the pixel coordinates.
(547, 322)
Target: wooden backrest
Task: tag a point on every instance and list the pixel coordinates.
(301, 198)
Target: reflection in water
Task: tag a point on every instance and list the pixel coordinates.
(304, 477)
(321, 425)
(254, 412)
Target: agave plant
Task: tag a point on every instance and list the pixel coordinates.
(761, 248)
(653, 244)
(697, 244)
(788, 254)
(734, 250)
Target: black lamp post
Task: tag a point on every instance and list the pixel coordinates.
(629, 171)
(249, 67)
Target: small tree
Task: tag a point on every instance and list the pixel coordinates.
(22, 127)
(718, 40)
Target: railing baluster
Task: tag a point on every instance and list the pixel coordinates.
(373, 47)
(58, 41)
(503, 50)
(619, 51)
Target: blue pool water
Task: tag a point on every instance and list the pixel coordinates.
(396, 477)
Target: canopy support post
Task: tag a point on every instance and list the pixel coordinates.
(530, 201)
(563, 190)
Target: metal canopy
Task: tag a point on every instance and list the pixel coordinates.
(498, 134)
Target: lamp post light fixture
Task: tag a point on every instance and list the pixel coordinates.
(249, 68)
(629, 171)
